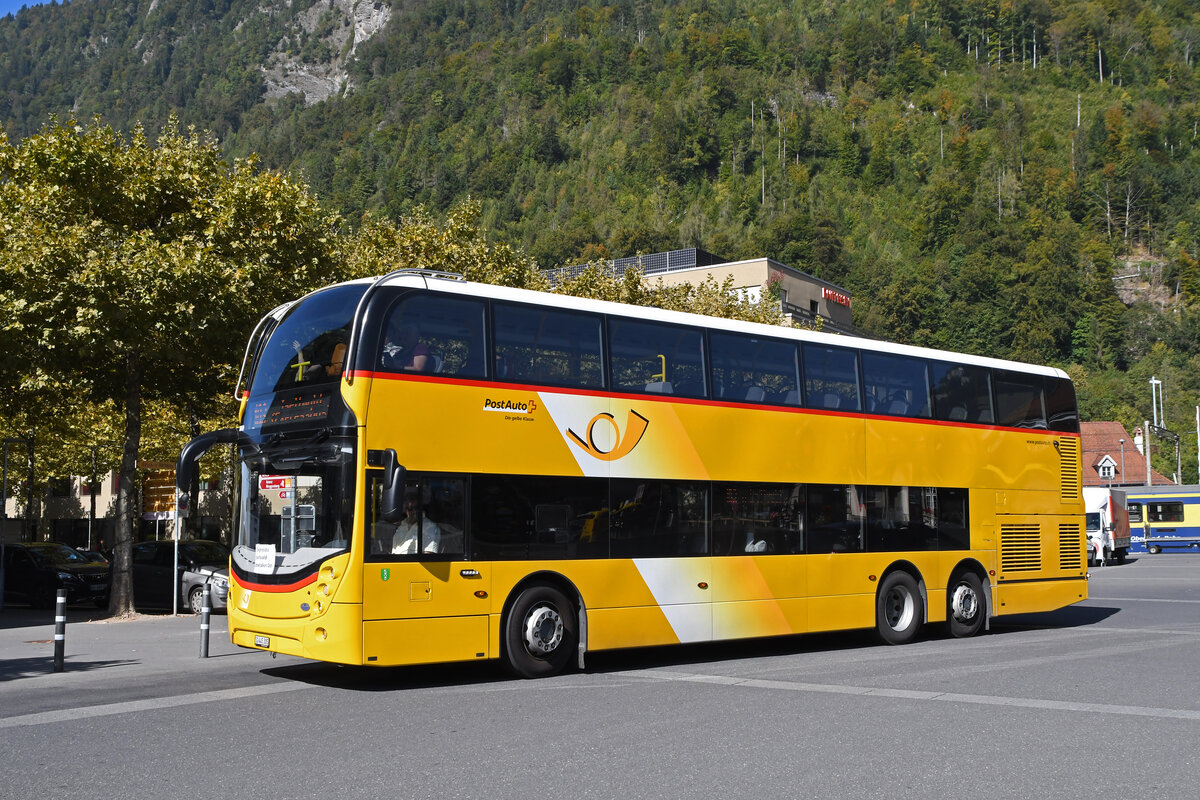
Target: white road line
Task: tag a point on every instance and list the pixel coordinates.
(152, 704)
(913, 694)
(1141, 599)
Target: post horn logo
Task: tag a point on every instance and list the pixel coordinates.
(635, 427)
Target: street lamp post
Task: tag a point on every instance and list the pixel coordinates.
(1122, 481)
(92, 497)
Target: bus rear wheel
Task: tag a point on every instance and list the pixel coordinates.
(965, 606)
(1153, 549)
(899, 609)
(540, 632)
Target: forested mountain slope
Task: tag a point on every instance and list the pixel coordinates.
(976, 172)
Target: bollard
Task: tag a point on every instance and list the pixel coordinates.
(60, 629)
(205, 610)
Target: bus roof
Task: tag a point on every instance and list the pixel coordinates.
(437, 282)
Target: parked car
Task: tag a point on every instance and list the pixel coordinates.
(35, 571)
(201, 562)
(95, 556)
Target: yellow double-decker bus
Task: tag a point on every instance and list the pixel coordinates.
(434, 470)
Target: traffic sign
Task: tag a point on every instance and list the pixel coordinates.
(275, 482)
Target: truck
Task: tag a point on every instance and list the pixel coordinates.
(1108, 531)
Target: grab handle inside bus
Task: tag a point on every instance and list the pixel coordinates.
(391, 504)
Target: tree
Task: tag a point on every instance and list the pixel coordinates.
(134, 272)
(419, 241)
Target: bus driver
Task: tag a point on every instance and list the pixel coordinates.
(411, 529)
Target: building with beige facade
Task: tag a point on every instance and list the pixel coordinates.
(803, 298)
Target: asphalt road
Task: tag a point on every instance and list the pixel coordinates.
(1098, 700)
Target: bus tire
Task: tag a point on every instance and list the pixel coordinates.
(1153, 549)
(540, 632)
(899, 609)
(965, 606)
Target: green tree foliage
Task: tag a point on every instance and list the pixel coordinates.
(132, 271)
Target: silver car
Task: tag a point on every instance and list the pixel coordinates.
(201, 563)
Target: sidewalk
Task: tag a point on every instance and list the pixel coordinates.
(146, 643)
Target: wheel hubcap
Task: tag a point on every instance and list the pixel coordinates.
(543, 631)
(964, 603)
(899, 609)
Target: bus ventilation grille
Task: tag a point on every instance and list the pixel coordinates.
(1068, 458)
(1020, 548)
(1070, 546)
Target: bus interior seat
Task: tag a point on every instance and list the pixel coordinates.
(660, 387)
(958, 413)
(756, 393)
(791, 398)
(897, 408)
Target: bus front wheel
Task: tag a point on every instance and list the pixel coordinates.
(540, 632)
(966, 608)
(899, 609)
(1153, 549)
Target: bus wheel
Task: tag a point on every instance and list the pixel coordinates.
(965, 613)
(540, 633)
(1153, 549)
(898, 608)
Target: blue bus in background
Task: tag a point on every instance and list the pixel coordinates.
(1166, 517)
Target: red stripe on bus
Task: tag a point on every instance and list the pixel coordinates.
(272, 587)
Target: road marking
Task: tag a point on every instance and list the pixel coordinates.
(914, 694)
(1142, 599)
(153, 704)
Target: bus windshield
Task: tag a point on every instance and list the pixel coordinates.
(295, 505)
(309, 345)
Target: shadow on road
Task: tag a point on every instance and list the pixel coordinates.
(387, 679)
(13, 617)
(1069, 617)
(11, 669)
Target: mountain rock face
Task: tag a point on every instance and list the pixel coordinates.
(337, 27)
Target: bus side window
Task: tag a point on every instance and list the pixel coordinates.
(1019, 400)
(658, 518)
(1062, 411)
(431, 333)
(1135, 512)
(758, 518)
(538, 345)
(754, 369)
(650, 357)
(835, 522)
(831, 378)
(962, 393)
(896, 385)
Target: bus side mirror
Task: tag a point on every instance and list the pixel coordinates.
(391, 504)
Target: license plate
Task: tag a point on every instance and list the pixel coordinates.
(262, 641)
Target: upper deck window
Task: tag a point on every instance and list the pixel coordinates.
(1019, 400)
(433, 333)
(895, 385)
(962, 393)
(1061, 408)
(754, 369)
(656, 358)
(540, 345)
(831, 378)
